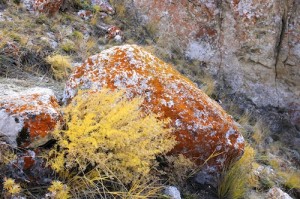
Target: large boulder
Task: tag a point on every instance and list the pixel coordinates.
(27, 117)
(201, 126)
(251, 44)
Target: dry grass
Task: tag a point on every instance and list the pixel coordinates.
(235, 182)
(60, 66)
(6, 153)
(208, 85)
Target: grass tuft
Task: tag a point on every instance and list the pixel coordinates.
(235, 182)
(60, 66)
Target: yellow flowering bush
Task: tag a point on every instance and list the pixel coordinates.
(58, 190)
(106, 132)
(11, 187)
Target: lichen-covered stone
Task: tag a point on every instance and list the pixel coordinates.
(47, 6)
(252, 44)
(28, 167)
(104, 6)
(27, 117)
(114, 32)
(85, 14)
(277, 193)
(201, 126)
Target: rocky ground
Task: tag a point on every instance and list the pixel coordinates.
(243, 54)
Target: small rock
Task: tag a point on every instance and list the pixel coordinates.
(115, 33)
(172, 192)
(276, 193)
(104, 6)
(85, 14)
(28, 5)
(47, 6)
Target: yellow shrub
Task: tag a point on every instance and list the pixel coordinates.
(236, 180)
(107, 132)
(59, 191)
(11, 187)
(60, 66)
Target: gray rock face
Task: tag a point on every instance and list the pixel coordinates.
(253, 45)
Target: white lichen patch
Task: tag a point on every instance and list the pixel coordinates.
(200, 50)
(10, 127)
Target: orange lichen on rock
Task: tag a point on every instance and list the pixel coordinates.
(27, 117)
(114, 32)
(201, 126)
(47, 6)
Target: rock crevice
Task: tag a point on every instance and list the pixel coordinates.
(244, 41)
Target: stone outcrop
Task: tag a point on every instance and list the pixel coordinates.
(47, 6)
(43, 6)
(253, 46)
(27, 117)
(201, 126)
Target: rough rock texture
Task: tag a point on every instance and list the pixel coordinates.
(85, 14)
(29, 167)
(115, 33)
(27, 117)
(253, 45)
(104, 6)
(47, 6)
(42, 6)
(172, 192)
(201, 126)
(276, 193)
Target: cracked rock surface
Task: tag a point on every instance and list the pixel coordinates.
(252, 45)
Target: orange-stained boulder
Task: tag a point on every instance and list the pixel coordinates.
(201, 126)
(47, 6)
(27, 117)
